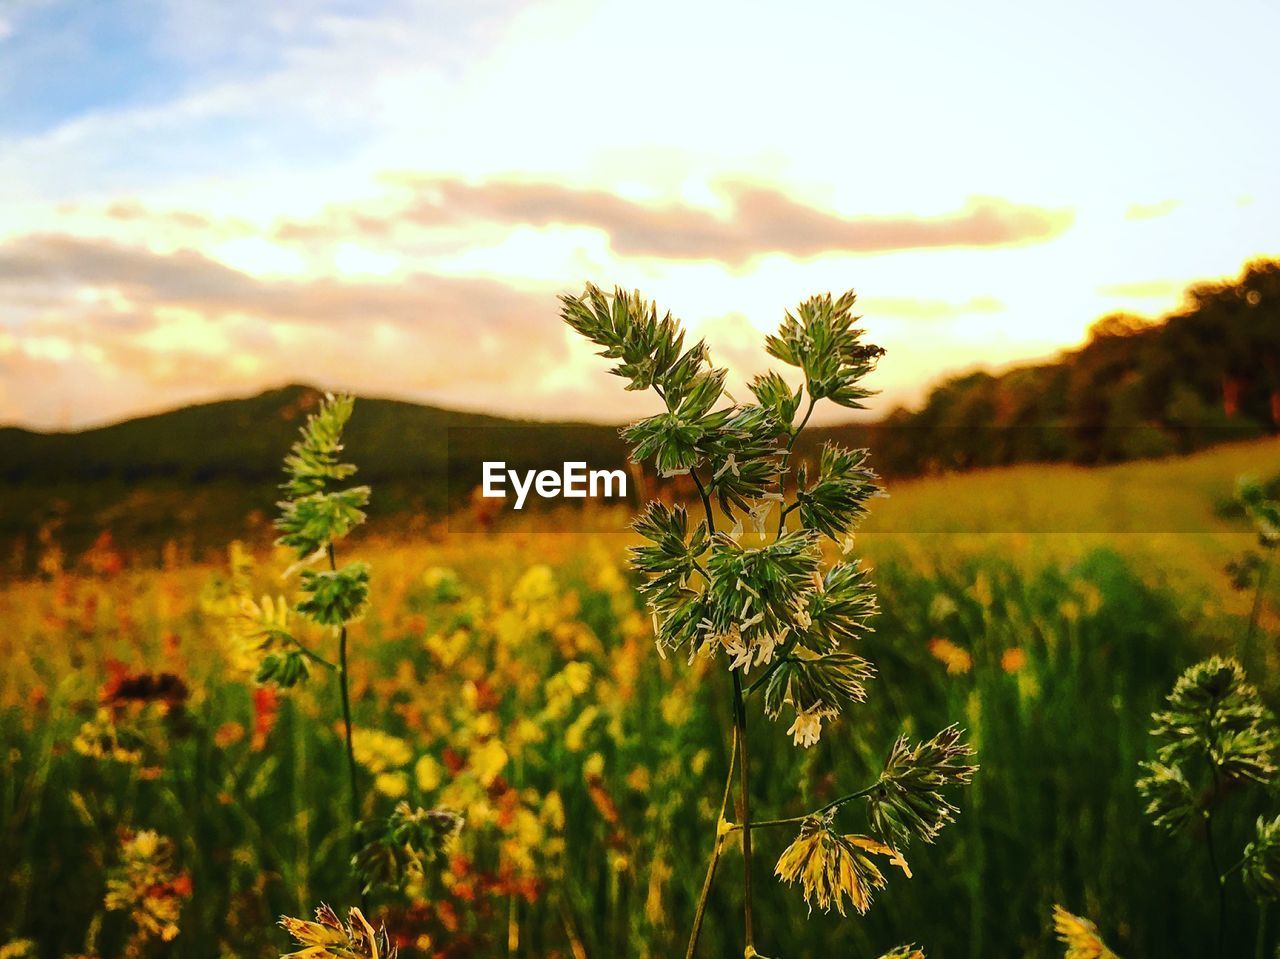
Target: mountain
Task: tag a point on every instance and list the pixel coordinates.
(205, 473)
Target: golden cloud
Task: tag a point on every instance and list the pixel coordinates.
(757, 221)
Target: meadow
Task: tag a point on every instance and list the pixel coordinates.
(512, 675)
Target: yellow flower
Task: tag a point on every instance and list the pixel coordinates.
(488, 760)
(379, 752)
(638, 779)
(101, 738)
(807, 728)
(904, 952)
(146, 886)
(526, 731)
(553, 811)
(1080, 936)
(830, 866)
(393, 785)
(18, 949)
(428, 773)
(329, 938)
(575, 735)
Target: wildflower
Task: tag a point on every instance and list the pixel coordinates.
(769, 604)
(124, 689)
(1171, 802)
(907, 800)
(815, 685)
(1264, 512)
(488, 760)
(1213, 714)
(904, 952)
(228, 734)
(1013, 660)
(379, 752)
(393, 785)
(266, 709)
(428, 773)
(103, 738)
(403, 844)
(807, 728)
(575, 736)
(1262, 861)
(536, 587)
(145, 884)
(443, 584)
(1080, 936)
(18, 949)
(830, 866)
(329, 938)
(955, 658)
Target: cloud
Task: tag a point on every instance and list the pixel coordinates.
(758, 221)
(169, 327)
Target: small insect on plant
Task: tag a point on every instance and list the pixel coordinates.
(749, 585)
(286, 640)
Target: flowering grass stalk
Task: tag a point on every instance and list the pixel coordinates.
(313, 518)
(757, 589)
(1080, 937)
(1217, 740)
(317, 512)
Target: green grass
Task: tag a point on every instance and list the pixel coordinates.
(1100, 587)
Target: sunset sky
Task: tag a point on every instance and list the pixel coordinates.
(202, 199)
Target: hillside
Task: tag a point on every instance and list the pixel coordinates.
(1206, 375)
(203, 473)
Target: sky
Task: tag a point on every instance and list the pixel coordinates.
(206, 198)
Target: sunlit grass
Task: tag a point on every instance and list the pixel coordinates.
(519, 676)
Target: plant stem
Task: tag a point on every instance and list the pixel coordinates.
(780, 656)
(353, 793)
(744, 807)
(715, 851)
(1217, 877)
(1260, 947)
(786, 460)
(762, 823)
(706, 501)
(315, 657)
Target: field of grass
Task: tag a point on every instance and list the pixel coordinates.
(512, 676)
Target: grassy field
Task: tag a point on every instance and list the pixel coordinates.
(513, 677)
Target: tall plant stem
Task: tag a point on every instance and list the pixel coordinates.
(344, 686)
(786, 461)
(1217, 878)
(744, 808)
(1260, 946)
(817, 813)
(715, 851)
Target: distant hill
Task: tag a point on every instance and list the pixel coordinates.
(1207, 374)
(203, 473)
